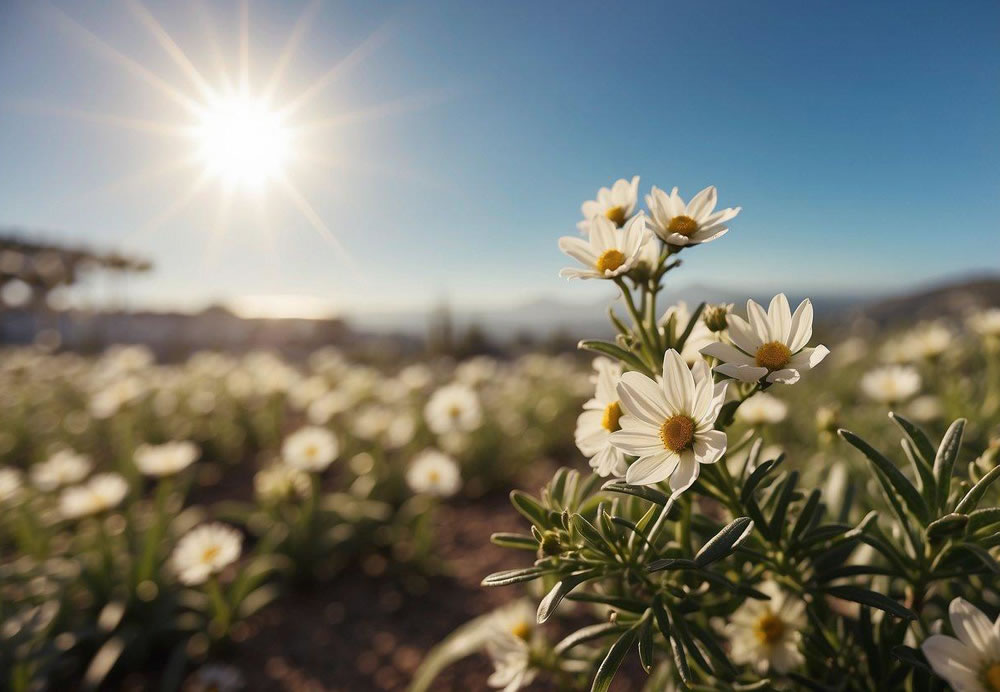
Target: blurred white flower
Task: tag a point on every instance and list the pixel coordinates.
(609, 252)
(970, 663)
(310, 449)
(204, 551)
(306, 391)
(616, 204)
(924, 341)
(925, 409)
(65, 467)
(771, 346)
(476, 371)
(165, 459)
(891, 384)
(762, 408)
(453, 408)
(986, 322)
(677, 223)
(102, 492)
(599, 419)
(216, 677)
(669, 424)
(434, 473)
(10, 484)
(280, 482)
(509, 646)
(767, 634)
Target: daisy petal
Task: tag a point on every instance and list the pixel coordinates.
(652, 469)
(743, 373)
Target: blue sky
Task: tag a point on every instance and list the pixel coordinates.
(860, 139)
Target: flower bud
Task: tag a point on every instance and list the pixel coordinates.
(715, 316)
(550, 544)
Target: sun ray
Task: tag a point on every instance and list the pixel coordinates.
(137, 178)
(303, 205)
(212, 37)
(148, 126)
(244, 47)
(170, 46)
(100, 46)
(170, 211)
(291, 45)
(347, 63)
(396, 170)
(220, 226)
(397, 107)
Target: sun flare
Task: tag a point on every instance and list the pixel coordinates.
(242, 142)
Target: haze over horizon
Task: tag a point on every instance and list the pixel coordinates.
(444, 148)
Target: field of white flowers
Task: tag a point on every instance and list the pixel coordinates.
(715, 502)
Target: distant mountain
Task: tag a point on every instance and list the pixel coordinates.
(954, 298)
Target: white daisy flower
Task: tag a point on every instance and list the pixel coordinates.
(280, 482)
(970, 663)
(609, 252)
(616, 204)
(693, 223)
(762, 408)
(453, 408)
(767, 634)
(166, 459)
(669, 424)
(925, 341)
(204, 551)
(985, 323)
(434, 473)
(102, 492)
(10, 484)
(891, 384)
(509, 647)
(310, 449)
(599, 419)
(65, 467)
(771, 346)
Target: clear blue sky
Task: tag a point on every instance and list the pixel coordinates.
(861, 139)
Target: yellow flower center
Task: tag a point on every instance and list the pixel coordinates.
(610, 260)
(769, 629)
(616, 215)
(433, 476)
(609, 421)
(311, 451)
(993, 677)
(210, 553)
(773, 355)
(521, 630)
(677, 433)
(454, 411)
(684, 225)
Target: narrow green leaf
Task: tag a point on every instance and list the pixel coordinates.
(529, 508)
(617, 352)
(928, 486)
(890, 476)
(784, 499)
(806, 515)
(918, 437)
(514, 540)
(977, 491)
(514, 576)
(695, 316)
(756, 476)
(680, 659)
(872, 599)
(981, 554)
(559, 591)
(617, 602)
(982, 518)
(590, 533)
(586, 634)
(613, 661)
(947, 526)
(944, 461)
(670, 563)
(724, 542)
(646, 643)
(646, 493)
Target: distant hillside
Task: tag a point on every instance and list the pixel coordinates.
(954, 298)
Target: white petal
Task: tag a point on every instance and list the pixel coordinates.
(642, 397)
(808, 358)
(678, 382)
(636, 443)
(727, 354)
(743, 373)
(702, 204)
(950, 658)
(779, 315)
(785, 376)
(743, 334)
(758, 320)
(971, 626)
(802, 326)
(686, 473)
(652, 469)
(579, 249)
(709, 446)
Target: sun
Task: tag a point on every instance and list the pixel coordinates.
(242, 142)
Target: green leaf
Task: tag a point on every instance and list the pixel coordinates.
(890, 476)
(586, 634)
(680, 659)
(920, 441)
(645, 492)
(977, 491)
(982, 518)
(617, 352)
(530, 508)
(695, 316)
(784, 499)
(514, 540)
(670, 563)
(514, 576)
(947, 526)
(809, 510)
(872, 599)
(590, 534)
(559, 591)
(627, 604)
(928, 486)
(613, 661)
(646, 643)
(724, 542)
(910, 656)
(944, 462)
(981, 554)
(756, 476)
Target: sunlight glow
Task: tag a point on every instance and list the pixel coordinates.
(242, 142)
